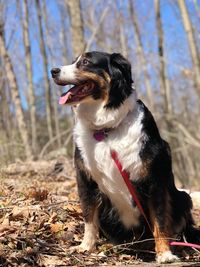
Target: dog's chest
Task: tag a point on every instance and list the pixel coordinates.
(126, 141)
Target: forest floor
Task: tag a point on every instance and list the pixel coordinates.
(40, 218)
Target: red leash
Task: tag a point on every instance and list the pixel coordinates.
(185, 244)
(133, 193)
(131, 188)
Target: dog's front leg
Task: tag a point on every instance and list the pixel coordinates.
(90, 233)
(162, 227)
(88, 193)
(88, 198)
(162, 248)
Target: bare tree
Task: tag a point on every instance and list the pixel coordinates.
(122, 35)
(164, 82)
(77, 29)
(54, 99)
(197, 8)
(192, 44)
(28, 63)
(96, 29)
(45, 72)
(141, 55)
(5, 116)
(63, 11)
(15, 95)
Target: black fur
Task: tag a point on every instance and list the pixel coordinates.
(119, 70)
(157, 152)
(87, 189)
(121, 80)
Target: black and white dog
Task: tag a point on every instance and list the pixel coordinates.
(107, 105)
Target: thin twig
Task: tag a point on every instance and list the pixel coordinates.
(54, 204)
(95, 31)
(138, 242)
(52, 141)
(191, 139)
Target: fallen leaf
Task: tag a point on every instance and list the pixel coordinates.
(5, 226)
(56, 227)
(48, 260)
(38, 194)
(52, 218)
(19, 213)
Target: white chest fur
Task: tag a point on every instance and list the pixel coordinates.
(126, 141)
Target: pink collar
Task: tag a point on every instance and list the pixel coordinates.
(101, 134)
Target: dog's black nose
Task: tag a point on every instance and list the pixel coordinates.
(55, 72)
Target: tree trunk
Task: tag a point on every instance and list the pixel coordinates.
(28, 64)
(5, 116)
(197, 8)
(122, 36)
(141, 56)
(45, 74)
(15, 95)
(65, 54)
(163, 77)
(54, 99)
(78, 43)
(192, 44)
(95, 29)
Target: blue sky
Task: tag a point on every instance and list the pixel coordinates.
(176, 46)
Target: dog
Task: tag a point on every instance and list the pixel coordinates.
(110, 117)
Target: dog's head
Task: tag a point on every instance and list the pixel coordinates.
(95, 76)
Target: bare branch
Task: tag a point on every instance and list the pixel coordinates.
(95, 30)
(190, 139)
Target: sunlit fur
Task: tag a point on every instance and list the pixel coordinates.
(96, 155)
(132, 132)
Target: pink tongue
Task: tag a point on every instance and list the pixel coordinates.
(63, 99)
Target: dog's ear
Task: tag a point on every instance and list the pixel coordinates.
(121, 80)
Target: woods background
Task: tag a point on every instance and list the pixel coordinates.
(161, 39)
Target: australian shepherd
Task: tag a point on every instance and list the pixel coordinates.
(110, 117)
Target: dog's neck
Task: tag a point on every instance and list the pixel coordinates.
(95, 116)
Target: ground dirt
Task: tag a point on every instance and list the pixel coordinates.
(40, 219)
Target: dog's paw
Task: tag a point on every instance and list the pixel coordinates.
(81, 248)
(166, 257)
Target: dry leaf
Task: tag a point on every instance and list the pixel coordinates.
(75, 209)
(5, 226)
(38, 194)
(53, 218)
(48, 260)
(19, 213)
(24, 212)
(73, 196)
(56, 227)
(6, 220)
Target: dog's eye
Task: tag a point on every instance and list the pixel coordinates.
(85, 61)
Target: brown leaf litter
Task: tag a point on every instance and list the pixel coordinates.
(41, 218)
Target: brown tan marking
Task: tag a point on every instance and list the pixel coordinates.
(103, 83)
(162, 236)
(144, 170)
